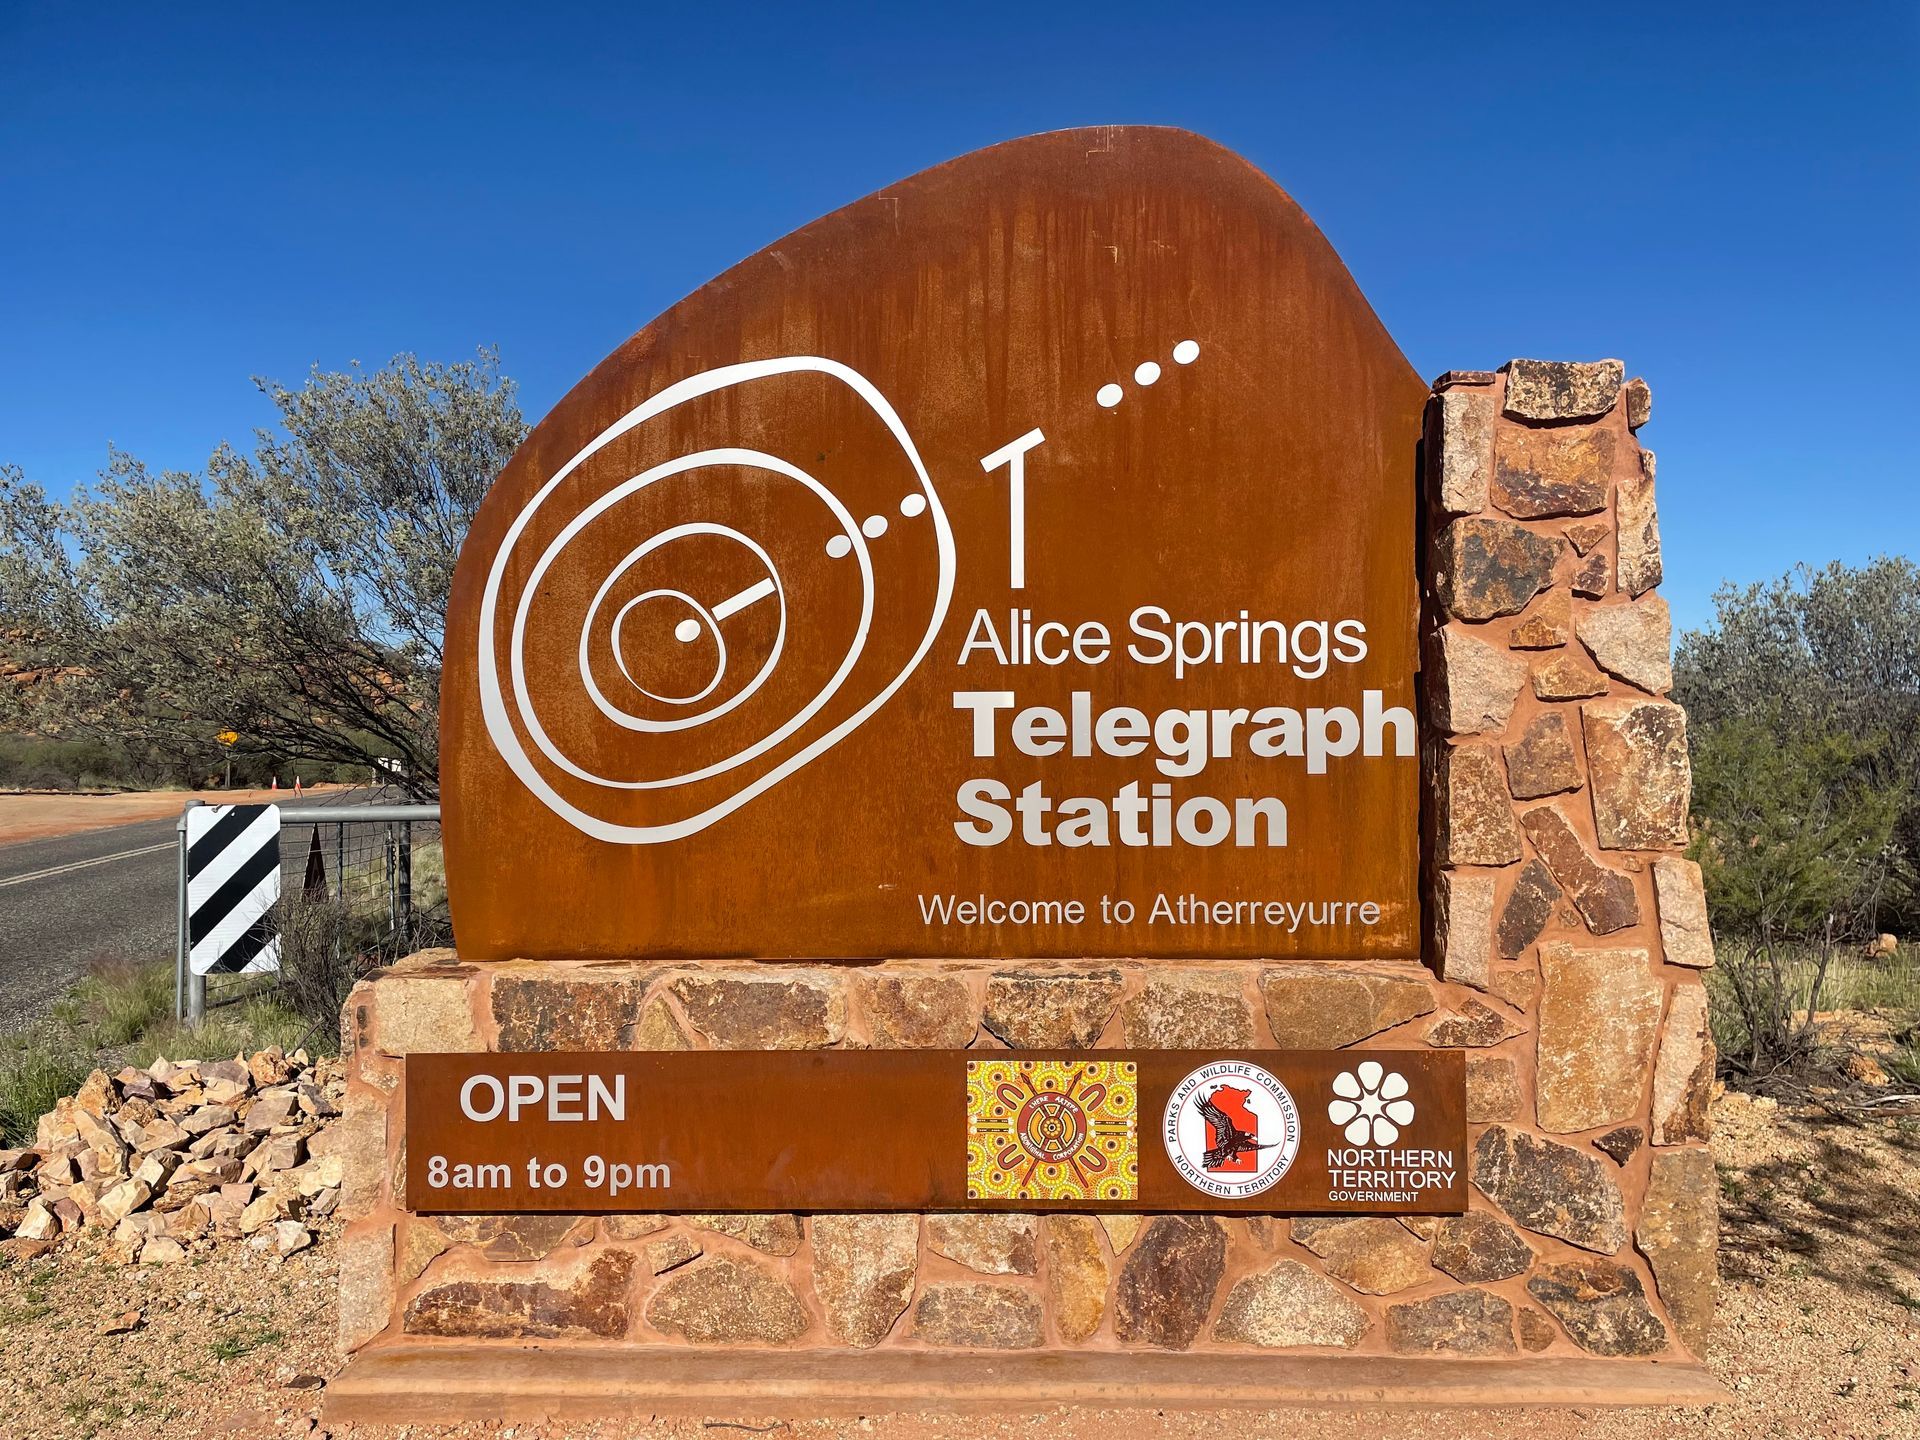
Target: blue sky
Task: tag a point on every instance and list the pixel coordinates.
(1725, 197)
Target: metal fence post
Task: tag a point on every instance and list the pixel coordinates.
(189, 989)
(405, 879)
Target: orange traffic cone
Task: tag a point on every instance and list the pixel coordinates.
(276, 783)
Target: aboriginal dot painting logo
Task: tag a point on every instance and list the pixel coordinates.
(1052, 1130)
(1231, 1129)
(1370, 1104)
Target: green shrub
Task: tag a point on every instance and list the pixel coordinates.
(35, 1071)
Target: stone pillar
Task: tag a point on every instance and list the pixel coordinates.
(1559, 794)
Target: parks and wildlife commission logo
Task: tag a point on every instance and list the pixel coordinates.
(1231, 1129)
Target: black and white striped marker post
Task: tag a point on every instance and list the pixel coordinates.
(233, 882)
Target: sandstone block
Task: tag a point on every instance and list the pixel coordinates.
(632, 1227)
(421, 1242)
(1541, 762)
(1562, 390)
(1289, 1305)
(1639, 403)
(585, 1010)
(1547, 626)
(1683, 1080)
(1043, 1009)
(1599, 1014)
(1550, 1188)
(993, 1244)
(366, 1286)
(765, 1010)
(1476, 1248)
(1604, 897)
(1312, 1007)
(1620, 1143)
(727, 1301)
(910, 1011)
(1122, 1230)
(1077, 1275)
(123, 1199)
(1641, 779)
(658, 1029)
(1488, 568)
(1476, 824)
(770, 1234)
(507, 1239)
(1536, 1330)
(1373, 1254)
(162, 1250)
(1493, 1089)
(977, 1317)
(416, 1013)
(1602, 1306)
(1685, 935)
(1631, 642)
(1586, 534)
(1189, 1010)
(1168, 1281)
(1474, 1026)
(1478, 683)
(1544, 473)
(1463, 920)
(1565, 678)
(1528, 909)
(1640, 567)
(1590, 577)
(1460, 1322)
(1466, 450)
(1679, 1233)
(863, 1269)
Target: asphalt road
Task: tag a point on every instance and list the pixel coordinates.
(77, 900)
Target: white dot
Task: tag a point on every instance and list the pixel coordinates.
(838, 546)
(1110, 395)
(1147, 373)
(686, 631)
(874, 526)
(1186, 352)
(911, 505)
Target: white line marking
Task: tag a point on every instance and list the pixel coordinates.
(55, 870)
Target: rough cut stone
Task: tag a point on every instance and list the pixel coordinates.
(1478, 683)
(1544, 473)
(1325, 1007)
(1077, 1275)
(993, 1244)
(1683, 1080)
(771, 1234)
(1476, 1248)
(1604, 897)
(423, 1014)
(593, 1012)
(1487, 568)
(1373, 1254)
(863, 1269)
(1168, 1281)
(1451, 378)
(1684, 933)
(1602, 1306)
(1633, 642)
(772, 1010)
(1639, 403)
(1562, 389)
(1121, 1230)
(1541, 762)
(1536, 1330)
(1475, 1026)
(908, 1011)
(1547, 626)
(1637, 756)
(1640, 567)
(723, 1300)
(1528, 909)
(1587, 534)
(421, 1243)
(1466, 450)
(671, 1253)
(1679, 1233)
(977, 1317)
(1288, 1305)
(1519, 987)
(1463, 919)
(1620, 1143)
(1590, 577)
(1550, 1188)
(1039, 1009)
(510, 1238)
(1476, 818)
(1599, 1013)
(632, 1227)
(1189, 1010)
(588, 1301)
(1493, 1089)
(1461, 1322)
(1565, 678)
(658, 1029)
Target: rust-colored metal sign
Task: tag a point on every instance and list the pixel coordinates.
(1017, 562)
(1116, 1130)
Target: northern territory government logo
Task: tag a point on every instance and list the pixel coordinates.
(1231, 1129)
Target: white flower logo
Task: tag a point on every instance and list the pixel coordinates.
(1370, 1106)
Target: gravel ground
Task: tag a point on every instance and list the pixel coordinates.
(1819, 1333)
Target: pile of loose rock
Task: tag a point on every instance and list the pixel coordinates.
(178, 1157)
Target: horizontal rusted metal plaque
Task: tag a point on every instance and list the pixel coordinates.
(1017, 562)
(1274, 1131)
